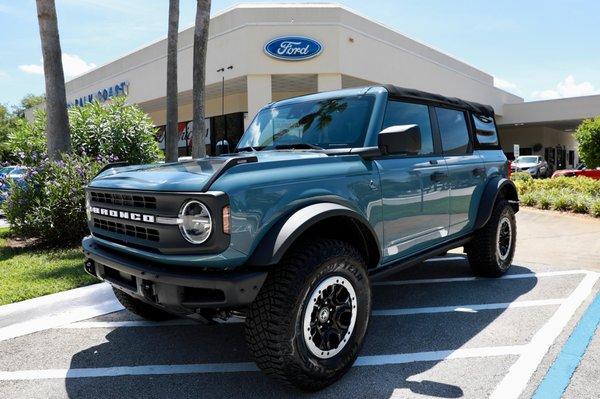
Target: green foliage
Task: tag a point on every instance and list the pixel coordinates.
(7, 125)
(521, 176)
(577, 194)
(27, 141)
(29, 101)
(114, 129)
(588, 139)
(595, 208)
(50, 203)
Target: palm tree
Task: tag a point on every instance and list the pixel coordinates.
(57, 129)
(171, 131)
(198, 75)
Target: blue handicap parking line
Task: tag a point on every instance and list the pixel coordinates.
(558, 376)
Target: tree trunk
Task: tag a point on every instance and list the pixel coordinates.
(57, 129)
(199, 74)
(171, 131)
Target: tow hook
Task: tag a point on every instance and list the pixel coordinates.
(147, 289)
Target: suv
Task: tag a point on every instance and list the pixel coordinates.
(323, 194)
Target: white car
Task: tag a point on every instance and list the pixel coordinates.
(535, 165)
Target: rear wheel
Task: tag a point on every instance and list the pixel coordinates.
(310, 318)
(141, 308)
(491, 251)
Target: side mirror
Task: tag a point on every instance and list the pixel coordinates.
(400, 139)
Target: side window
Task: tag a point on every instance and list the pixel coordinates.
(453, 130)
(401, 113)
(485, 130)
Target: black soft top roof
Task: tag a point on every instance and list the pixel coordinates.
(413, 94)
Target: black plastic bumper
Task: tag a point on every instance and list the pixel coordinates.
(173, 288)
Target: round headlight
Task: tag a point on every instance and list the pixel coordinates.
(196, 223)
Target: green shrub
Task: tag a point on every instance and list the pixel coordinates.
(117, 130)
(124, 131)
(595, 208)
(521, 176)
(588, 142)
(562, 202)
(528, 199)
(544, 200)
(50, 203)
(581, 205)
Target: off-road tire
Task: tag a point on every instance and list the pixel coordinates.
(483, 251)
(274, 323)
(141, 308)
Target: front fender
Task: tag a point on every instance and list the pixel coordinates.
(493, 188)
(286, 231)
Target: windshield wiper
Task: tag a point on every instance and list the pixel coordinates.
(298, 146)
(249, 149)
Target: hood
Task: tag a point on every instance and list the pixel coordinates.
(184, 176)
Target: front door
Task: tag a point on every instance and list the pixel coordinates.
(414, 188)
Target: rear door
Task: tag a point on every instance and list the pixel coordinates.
(414, 189)
(466, 169)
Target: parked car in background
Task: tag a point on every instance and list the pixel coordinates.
(8, 175)
(581, 170)
(535, 165)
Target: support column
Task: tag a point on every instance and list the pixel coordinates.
(259, 94)
(329, 81)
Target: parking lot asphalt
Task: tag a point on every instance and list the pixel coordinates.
(435, 332)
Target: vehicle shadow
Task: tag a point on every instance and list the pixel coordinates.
(224, 343)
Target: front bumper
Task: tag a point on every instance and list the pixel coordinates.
(177, 289)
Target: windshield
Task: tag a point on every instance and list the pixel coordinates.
(332, 123)
(526, 160)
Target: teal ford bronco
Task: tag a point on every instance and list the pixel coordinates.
(323, 194)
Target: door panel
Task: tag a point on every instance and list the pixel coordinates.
(415, 197)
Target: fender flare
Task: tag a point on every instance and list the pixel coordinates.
(286, 231)
(494, 187)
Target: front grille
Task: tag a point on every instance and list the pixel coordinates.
(122, 199)
(127, 229)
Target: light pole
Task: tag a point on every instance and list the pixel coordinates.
(222, 71)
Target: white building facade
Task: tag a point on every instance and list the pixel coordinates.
(342, 49)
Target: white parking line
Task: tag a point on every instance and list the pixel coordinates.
(467, 308)
(362, 361)
(513, 383)
(461, 279)
(381, 312)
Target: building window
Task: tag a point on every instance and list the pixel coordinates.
(453, 131)
(401, 113)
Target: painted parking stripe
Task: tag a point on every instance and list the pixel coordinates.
(462, 279)
(381, 312)
(362, 361)
(467, 308)
(557, 379)
(519, 374)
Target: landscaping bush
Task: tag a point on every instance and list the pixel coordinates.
(595, 208)
(115, 129)
(50, 202)
(577, 194)
(588, 142)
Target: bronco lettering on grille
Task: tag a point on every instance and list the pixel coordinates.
(138, 217)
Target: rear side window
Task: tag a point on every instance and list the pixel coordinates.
(485, 130)
(401, 113)
(453, 131)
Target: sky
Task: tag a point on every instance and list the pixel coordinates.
(534, 48)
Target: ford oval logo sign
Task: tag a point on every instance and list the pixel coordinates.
(293, 48)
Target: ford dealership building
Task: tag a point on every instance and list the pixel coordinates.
(258, 53)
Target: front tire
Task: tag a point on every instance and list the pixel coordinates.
(492, 249)
(309, 320)
(141, 308)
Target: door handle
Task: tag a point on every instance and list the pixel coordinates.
(438, 176)
(478, 171)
